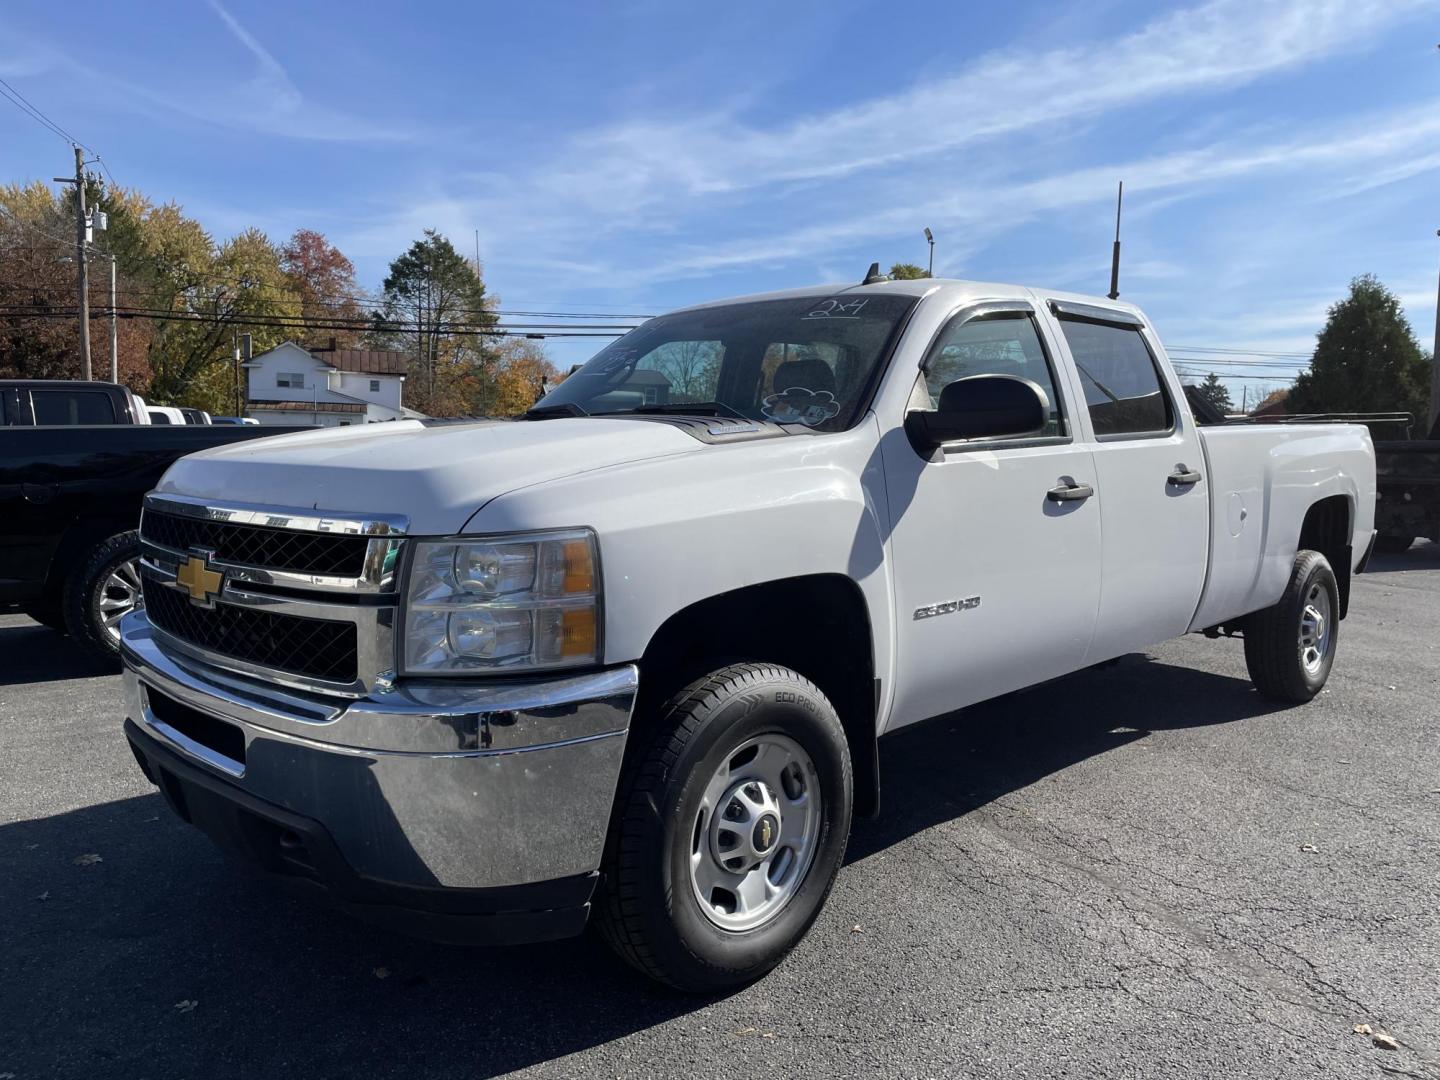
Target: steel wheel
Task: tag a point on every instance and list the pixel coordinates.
(119, 595)
(756, 832)
(1315, 628)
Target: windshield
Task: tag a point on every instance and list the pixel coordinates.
(807, 360)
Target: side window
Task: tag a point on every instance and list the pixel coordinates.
(290, 378)
(1122, 384)
(374, 386)
(1003, 344)
(72, 407)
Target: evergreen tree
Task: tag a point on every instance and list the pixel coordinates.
(434, 301)
(1214, 391)
(1366, 359)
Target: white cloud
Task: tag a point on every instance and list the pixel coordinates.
(812, 184)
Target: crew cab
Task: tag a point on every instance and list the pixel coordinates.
(632, 656)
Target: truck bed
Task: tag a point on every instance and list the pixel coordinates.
(1263, 479)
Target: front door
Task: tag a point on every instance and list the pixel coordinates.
(1153, 495)
(996, 551)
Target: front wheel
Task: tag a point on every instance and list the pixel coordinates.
(104, 588)
(1289, 648)
(731, 827)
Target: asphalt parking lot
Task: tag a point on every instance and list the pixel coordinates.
(1138, 871)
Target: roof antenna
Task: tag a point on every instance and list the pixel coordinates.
(873, 275)
(1114, 293)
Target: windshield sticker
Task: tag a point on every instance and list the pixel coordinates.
(797, 405)
(836, 308)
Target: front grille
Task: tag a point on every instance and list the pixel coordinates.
(318, 648)
(256, 545)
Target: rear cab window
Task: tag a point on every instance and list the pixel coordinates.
(1124, 391)
(62, 407)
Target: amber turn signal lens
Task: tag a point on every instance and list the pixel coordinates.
(577, 632)
(579, 569)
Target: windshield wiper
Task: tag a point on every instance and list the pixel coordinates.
(696, 408)
(549, 412)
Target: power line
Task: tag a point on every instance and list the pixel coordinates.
(21, 102)
(463, 330)
(1235, 351)
(470, 313)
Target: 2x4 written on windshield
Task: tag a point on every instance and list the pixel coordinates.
(837, 308)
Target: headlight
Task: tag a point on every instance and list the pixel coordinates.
(506, 603)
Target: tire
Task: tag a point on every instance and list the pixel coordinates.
(90, 598)
(650, 911)
(46, 615)
(1390, 544)
(1288, 658)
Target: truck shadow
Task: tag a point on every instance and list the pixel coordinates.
(946, 767)
(104, 955)
(31, 653)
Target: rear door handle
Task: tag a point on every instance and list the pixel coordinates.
(1070, 493)
(1183, 476)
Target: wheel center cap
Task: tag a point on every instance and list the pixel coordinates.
(765, 833)
(746, 828)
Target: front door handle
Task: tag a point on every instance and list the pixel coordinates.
(1183, 476)
(1070, 493)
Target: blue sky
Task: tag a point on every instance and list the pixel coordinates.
(632, 157)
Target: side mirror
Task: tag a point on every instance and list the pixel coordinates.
(981, 407)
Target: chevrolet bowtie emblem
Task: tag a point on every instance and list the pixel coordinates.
(195, 577)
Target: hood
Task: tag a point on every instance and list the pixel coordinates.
(437, 476)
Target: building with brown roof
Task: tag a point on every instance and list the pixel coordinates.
(293, 384)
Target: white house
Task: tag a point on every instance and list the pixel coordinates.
(293, 384)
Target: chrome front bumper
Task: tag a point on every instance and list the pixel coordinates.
(433, 786)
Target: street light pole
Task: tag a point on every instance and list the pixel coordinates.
(930, 239)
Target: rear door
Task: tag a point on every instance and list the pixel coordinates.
(996, 580)
(1153, 496)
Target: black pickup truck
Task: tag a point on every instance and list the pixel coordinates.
(1407, 476)
(70, 498)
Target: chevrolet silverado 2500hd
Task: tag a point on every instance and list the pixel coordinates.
(635, 650)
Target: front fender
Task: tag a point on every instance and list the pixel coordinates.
(675, 531)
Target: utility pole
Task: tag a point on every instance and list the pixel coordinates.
(114, 329)
(930, 239)
(83, 269)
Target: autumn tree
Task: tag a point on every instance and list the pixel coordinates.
(324, 279)
(39, 327)
(1366, 358)
(435, 308)
(521, 374)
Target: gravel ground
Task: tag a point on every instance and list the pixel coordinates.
(1138, 871)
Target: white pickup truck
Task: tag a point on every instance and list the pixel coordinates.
(636, 648)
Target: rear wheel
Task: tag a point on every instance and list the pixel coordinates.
(730, 829)
(103, 590)
(1289, 648)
